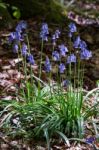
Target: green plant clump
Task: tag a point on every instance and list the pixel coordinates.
(50, 110)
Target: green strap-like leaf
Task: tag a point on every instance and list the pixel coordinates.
(64, 137)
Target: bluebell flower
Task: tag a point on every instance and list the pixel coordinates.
(17, 34)
(65, 83)
(85, 54)
(77, 42)
(90, 140)
(63, 49)
(44, 28)
(15, 48)
(72, 27)
(44, 32)
(24, 49)
(47, 65)
(62, 68)
(55, 36)
(55, 55)
(21, 25)
(57, 33)
(71, 58)
(14, 36)
(82, 45)
(30, 59)
(43, 36)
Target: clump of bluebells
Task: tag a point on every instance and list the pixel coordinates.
(56, 112)
(18, 39)
(59, 53)
(17, 35)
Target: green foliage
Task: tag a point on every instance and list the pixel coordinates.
(2, 5)
(16, 12)
(97, 83)
(62, 114)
